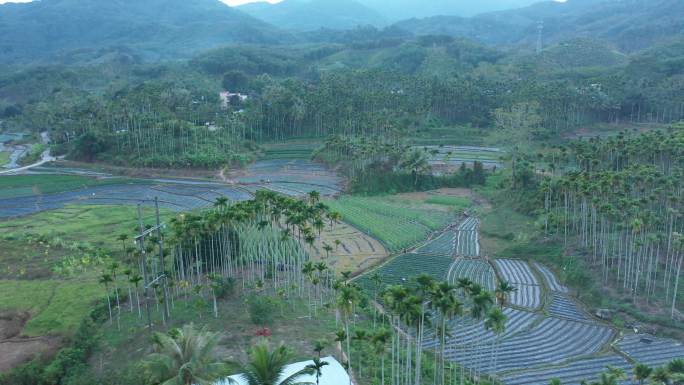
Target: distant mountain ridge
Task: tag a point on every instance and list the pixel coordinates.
(396, 10)
(307, 15)
(630, 25)
(153, 29)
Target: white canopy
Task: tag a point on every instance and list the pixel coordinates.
(331, 374)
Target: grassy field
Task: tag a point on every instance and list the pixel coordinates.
(4, 157)
(25, 185)
(56, 306)
(397, 222)
(456, 203)
(37, 247)
(290, 149)
(35, 244)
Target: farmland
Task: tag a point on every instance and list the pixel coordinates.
(26, 194)
(396, 225)
(540, 314)
(350, 249)
(448, 158)
(477, 270)
(28, 185)
(35, 244)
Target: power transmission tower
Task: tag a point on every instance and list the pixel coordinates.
(540, 43)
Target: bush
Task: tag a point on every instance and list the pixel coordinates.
(224, 287)
(261, 309)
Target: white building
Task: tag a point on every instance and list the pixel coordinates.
(331, 374)
(225, 97)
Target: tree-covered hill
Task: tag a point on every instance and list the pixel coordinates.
(307, 15)
(628, 25)
(47, 30)
(404, 9)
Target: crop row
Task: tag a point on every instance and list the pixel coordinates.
(442, 245)
(527, 296)
(564, 307)
(550, 279)
(572, 374)
(466, 331)
(402, 268)
(516, 271)
(467, 242)
(651, 350)
(477, 270)
(171, 196)
(394, 224)
(552, 341)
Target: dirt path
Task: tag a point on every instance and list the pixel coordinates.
(45, 157)
(16, 349)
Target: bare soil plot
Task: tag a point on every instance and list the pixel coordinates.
(16, 349)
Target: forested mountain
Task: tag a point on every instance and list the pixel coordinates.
(405, 9)
(146, 29)
(306, 15)
(629, 25)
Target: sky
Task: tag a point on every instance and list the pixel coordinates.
(229, 2)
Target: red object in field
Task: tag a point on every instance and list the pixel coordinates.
(263, 332)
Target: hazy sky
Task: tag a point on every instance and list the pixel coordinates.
(229, 2)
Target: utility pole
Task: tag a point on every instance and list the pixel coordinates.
(540, 42)
(141, 243)
(161, 259)
(140, 240)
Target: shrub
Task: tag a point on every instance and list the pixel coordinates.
(224, 287)
(261, 309)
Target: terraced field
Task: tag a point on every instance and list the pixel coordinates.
(550, 279)
(293, 177)
(466, 331)
(571, 374)
(434, 258)
(477, 270)
(467, 238)
(356, 250)
(451, 157)
(650, 350)
(563, 306)
(565, 342)
(552, 341)
(528, 292)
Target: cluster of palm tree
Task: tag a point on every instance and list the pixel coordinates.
(621, 199)
(358, 153)
(258, 243)
(408, 314)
